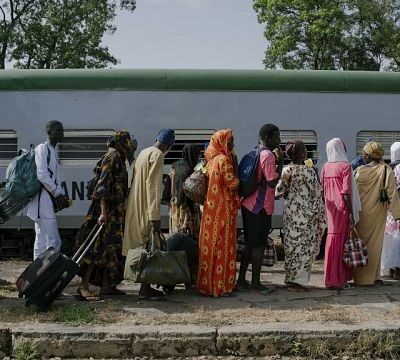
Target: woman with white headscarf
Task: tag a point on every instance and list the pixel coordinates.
(342, 202)
(391, 241)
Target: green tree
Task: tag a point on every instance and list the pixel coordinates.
(10, 12)
(331, 34)
(63, 34)
(376, 34)
(303, 34)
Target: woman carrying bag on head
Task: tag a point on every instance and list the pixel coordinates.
(378, 193)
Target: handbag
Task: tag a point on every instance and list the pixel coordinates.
(196, 185)
(157, 265)
(383, 195)
(355, 253)
(269, 258)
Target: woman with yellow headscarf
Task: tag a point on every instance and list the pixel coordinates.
(217, 241)
(370, 179)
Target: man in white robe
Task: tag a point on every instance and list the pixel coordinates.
(40, 208)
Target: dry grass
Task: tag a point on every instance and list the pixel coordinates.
(249, 315)
(317, 349)
(111, 313)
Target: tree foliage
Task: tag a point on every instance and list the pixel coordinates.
(331, 34)
(57, 33)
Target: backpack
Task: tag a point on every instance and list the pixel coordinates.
(248, 169)
(21, 177)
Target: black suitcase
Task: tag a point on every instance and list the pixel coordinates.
(46, 277)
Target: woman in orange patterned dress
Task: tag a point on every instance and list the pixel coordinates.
(217, 242)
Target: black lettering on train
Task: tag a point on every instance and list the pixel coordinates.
(76, 191)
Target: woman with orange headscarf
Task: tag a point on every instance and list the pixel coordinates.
(217, 242)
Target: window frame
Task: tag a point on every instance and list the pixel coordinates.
(8, 134)
(80, 133)
(376, 135)
(188, 136)
(309, 138)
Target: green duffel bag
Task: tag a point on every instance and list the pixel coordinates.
(134, 261)
(157, 266)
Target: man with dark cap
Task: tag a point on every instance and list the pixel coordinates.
(144, 201)
(41, 209)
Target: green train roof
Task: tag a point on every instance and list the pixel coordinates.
(201, 80)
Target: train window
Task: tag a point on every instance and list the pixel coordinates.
(83, 146)
(386, 138)
(187, 136)
(8, 146)
(309, 137)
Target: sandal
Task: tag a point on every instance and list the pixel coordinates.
(87, 295)
(228, 295)
(242, 286)
(347, 286)
(113, 291)
(264, 290)
(296, 287)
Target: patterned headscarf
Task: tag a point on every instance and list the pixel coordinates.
(122, 142)
(294, 149)
(219, 144)
(374, 149)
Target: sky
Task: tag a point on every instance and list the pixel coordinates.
(188, 34)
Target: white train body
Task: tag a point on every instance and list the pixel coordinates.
(314, 106)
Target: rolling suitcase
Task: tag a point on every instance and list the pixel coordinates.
(47, 276)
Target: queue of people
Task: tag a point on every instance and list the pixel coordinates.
(332, 203)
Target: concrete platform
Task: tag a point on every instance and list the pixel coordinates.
(190, 325)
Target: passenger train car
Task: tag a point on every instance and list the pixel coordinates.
(311, 105)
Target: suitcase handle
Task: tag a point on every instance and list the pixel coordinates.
(96, 229)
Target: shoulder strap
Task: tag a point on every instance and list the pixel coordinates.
(48, 162)
(384, 177)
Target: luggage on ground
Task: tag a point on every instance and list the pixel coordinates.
(47, 276)
(156, 265)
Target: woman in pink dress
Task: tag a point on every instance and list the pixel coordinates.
(342, 201)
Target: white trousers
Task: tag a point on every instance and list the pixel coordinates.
(46, 236)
